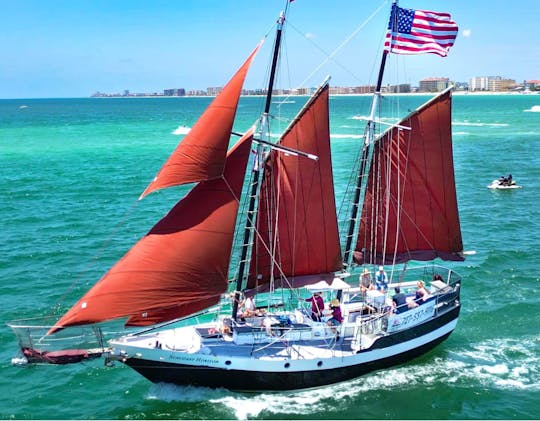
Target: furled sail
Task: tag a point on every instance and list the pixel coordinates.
(181, 265)
(296, 221)
(410, 207)
(201, 154)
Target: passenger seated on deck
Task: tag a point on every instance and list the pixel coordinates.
(366, 283)
(317, 306)
(248, 309)
(381, 280)
(336, 318)
(421, 294)
(438, 277)
(399, 301)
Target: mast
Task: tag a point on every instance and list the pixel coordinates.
(257, 167)
(369, 136)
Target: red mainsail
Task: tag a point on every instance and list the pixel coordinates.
(179, 267)
(201, 154)
(410, 207)
(297, 222)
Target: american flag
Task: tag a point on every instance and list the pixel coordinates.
(419, 31)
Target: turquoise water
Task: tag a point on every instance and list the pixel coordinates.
(71, 171)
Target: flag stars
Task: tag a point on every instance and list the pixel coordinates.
(405, 20)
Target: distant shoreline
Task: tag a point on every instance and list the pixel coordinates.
(346, 95)
(457, 93)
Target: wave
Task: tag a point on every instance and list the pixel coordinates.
(534, 109)
(284, 102)
(504, 363)
(365, 117)
(468, 123)
(181, 130)
(346, 136)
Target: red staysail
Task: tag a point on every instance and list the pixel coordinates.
(180, 266)
(297, 220)
(201, 154)
(410, 207)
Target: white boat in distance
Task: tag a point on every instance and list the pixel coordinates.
(174, 282)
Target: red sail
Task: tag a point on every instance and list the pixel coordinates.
(410, 207)
(297, 220)
(201, 154)
(181, 265)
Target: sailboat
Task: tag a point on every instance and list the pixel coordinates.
(192, 324)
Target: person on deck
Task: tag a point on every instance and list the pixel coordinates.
(317, 306)
(381, 280)
(366, 283)
(421, 293)
(248, 308)
(399, 301)
(337, 317)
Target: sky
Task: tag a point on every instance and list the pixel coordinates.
(73, 48)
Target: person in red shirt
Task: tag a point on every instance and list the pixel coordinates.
(317, 306)
(336, 318)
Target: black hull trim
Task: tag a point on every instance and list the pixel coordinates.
(243, 380)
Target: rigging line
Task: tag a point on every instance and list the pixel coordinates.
(295, 213)
(330, 57)
(95, 257)
(275, 233)
(387, 187)
(400, 181)
(376, 205)
(266, 246)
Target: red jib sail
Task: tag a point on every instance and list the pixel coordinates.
(296, 222)
(181, 265)
(410, 207)
(201, 154)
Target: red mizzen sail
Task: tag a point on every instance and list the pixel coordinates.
(201, 154)
(410, 207)
(179, 267)
(297, 220)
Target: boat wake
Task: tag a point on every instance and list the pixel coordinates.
(168, 392)
(500, 363)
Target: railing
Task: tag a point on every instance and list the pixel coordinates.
(443, 285)
(67, 345)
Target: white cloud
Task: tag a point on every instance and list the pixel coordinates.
(466, 33)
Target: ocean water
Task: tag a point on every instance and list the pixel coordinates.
(71, 171)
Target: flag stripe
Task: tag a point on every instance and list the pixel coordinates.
(420, 31)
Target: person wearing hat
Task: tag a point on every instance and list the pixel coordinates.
(366, 282)
(381, 280)
(336, 318)
(317, 306)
